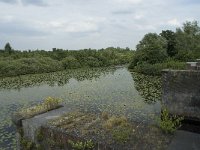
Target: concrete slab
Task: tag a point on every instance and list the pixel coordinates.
(185, 140)
(31, 125)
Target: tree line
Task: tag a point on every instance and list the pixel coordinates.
(168, 49)
(16, 62)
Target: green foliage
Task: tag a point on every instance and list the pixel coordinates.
(87, 145)
(40, 61)
(169, 124)
(28, 66)
(180, 46)
(118, 126)
(48, 104)
(151, 49)
(155, 69)
(149, 69)
(70, 63)
(187, 41)
(8, 48)
(26, 144)
(121, 134)
(171, 43)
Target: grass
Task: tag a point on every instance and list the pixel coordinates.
(86, 124)
(79, 145)
(48, 104)
(115, 121)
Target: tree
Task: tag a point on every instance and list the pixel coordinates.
(70, 62)
(171, 42)
(151, 49)
(8, 48)
(187, 41)
(191, 28)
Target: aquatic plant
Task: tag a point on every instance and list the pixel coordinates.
(79, 145)
(59, 78)
(48, 104)
(149, 87)
(169, 124)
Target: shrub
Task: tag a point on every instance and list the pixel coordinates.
(155, 69)
(93, 62)
(169, 124)
(70, 62)
(28, 66)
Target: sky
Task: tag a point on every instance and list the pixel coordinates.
(79, 24)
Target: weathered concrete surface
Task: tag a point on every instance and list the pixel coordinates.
(30, 126)
(17, 117)
(184, 140)
(181, 92)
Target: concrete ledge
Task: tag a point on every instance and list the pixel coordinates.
(17, 118)
(31, 125)
(181, 93)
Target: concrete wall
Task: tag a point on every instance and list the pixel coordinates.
(181, 92)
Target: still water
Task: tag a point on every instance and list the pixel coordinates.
(96, 90)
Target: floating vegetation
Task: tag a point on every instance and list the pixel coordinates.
(148, 86)
(59, 78)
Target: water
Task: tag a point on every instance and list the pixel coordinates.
(96, 90)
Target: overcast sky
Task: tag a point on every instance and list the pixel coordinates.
(78, 24)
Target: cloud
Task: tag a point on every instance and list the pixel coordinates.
(174, 22)
(144, 27)
(6, 19)
(73, 26)
(10, 26)
(70, 26)
(130, 1)
(138, 16)
(34, 2)
(122, 12)
(76, 24)
(26, 2)
(9, 1)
